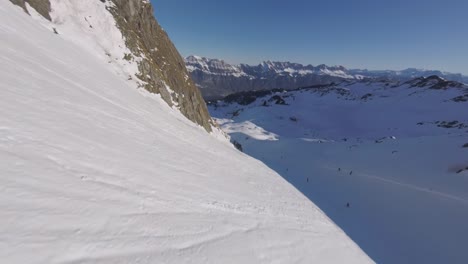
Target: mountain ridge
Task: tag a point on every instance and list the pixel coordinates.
(217, 78)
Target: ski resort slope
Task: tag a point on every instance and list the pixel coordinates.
(94, 170)
(381, 168)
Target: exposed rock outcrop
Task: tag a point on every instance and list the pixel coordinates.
(162, 65)
(434, 82)
(41, 6)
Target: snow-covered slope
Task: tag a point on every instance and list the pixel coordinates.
(125, 34)
(95, 170)
(388, 162)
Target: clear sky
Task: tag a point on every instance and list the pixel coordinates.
(372, 34)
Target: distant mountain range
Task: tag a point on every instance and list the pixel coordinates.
(217, 78)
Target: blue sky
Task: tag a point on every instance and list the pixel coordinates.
(373, 34)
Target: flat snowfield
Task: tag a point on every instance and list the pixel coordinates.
(94, 170)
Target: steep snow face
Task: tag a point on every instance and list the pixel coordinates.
(126, 35)
(94, 170)
(387, 162)
(88, 24)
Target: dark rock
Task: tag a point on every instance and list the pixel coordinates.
(461, 98)
(236, 113)
(451, 124)
(434, 82)
(246, 98)
(237, 145)
(366, 96)
(41, 6)
(162, 62)
(278, 100)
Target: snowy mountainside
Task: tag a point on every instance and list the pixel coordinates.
(362, 105)
(95, 169)
(125, 34)
(387, 161)
(217, 78)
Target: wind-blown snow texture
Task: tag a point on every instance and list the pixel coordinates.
(94, 170)
(394, 152)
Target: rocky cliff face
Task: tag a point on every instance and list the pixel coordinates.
(162, 65)
(161, 69)
(41, 6)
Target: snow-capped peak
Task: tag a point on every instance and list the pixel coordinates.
(213, 66)
(265, 68)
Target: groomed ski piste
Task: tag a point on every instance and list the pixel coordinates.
(95, 170)
(388, 162)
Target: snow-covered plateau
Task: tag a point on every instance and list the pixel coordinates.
(94, 169)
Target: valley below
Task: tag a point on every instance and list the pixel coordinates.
(387, 162)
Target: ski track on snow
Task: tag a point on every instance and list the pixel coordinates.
(407, 185)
